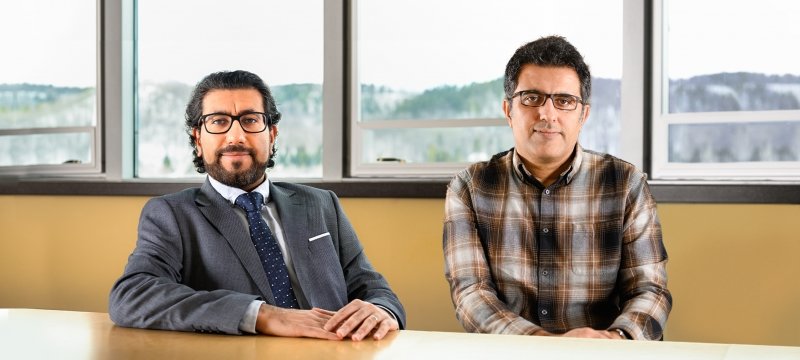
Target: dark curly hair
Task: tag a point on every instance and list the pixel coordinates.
(548, 51)
(227, 80)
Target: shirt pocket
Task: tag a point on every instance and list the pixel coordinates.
(594, 252)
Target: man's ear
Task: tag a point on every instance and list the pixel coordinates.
(197, 146)
(273, 133)
(585, 114)
(507, 111)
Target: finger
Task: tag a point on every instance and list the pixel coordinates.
(598, 334)
(321, 315)
(295, 323)
(367, 325)
(342, 315)
(318, 333)
(584, 332)
(355, 321)
(323, 311)
(383, 329)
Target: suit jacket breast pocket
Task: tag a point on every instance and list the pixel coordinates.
(325, 269)
(322, 250)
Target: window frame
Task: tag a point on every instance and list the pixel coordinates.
(630, 112)
(662, 169)
(95, 167)
(116, 91)
(359, 169)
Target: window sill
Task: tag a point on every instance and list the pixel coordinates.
(372, 188)
(664, 192)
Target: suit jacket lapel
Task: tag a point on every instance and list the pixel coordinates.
(218, 211)
(294, 221)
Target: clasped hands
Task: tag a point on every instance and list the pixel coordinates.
(356, 321)
(584, 332)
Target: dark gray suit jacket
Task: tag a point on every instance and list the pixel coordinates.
(195, 268)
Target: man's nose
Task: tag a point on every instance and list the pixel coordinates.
(548, 110)
(236, 133)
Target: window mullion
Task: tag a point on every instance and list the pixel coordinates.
(333, 89)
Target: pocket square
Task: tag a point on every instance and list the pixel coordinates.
(319, 236)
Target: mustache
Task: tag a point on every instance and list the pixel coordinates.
(235, 148)
(546, 128)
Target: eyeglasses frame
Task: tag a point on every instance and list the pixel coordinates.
(267, 121)
(546, 96)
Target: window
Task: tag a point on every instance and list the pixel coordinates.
(428, 78)
(414, 89)
(727, 96)
(180, 42)
(48, 87)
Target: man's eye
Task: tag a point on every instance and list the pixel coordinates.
(533, 98)
(220, 121)
(565, 100)
(249, 120)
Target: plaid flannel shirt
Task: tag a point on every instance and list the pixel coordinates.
(584, 252)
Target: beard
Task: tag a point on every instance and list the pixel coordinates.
(242, 178)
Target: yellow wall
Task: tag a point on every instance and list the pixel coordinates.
(733, 269)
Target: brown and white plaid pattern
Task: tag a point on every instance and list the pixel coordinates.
(583, 252)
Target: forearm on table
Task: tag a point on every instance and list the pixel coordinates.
(645, 301)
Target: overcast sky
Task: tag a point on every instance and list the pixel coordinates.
(408, 44)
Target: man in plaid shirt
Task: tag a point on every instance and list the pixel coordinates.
(549, 238)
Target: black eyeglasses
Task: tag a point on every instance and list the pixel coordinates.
(252, 122)
(533, 98)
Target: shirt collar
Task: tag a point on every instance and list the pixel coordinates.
(522, 172)
(230, 193)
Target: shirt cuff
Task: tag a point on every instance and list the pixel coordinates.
(248, 323)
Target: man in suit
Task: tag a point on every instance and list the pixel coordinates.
(244, 254)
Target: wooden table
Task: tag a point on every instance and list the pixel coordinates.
(50, 334)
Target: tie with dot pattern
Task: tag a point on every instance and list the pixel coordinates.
(268, 250)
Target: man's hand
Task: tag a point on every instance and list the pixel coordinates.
(584, 332)
(358, 319)
(273, 320)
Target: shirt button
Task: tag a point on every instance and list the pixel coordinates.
(547, 192)
(545, 272)
(544, 312)
(546, 230)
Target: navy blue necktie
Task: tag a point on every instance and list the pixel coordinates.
(268, 250)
